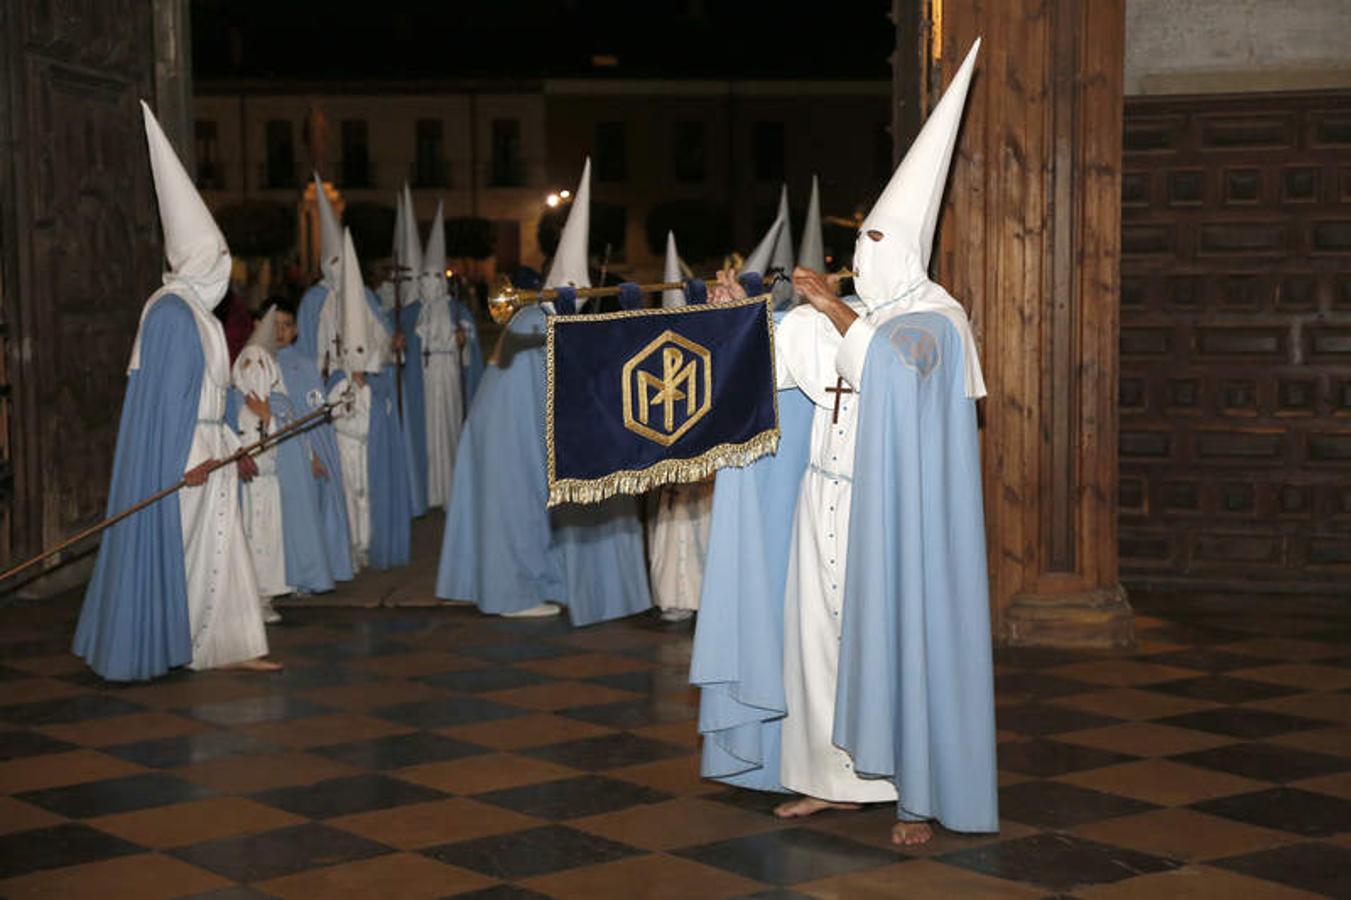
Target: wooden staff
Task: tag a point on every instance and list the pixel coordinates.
(251, 450)
(508, 299)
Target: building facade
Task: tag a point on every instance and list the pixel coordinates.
(496, 151)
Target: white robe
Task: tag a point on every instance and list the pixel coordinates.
(808, 356)
(677, 541)
(441, 373)
(223, 612)
(353, 425)
(255, 372)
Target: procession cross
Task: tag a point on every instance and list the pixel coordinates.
(838, 390)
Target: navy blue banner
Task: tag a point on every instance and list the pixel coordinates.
(642, 398)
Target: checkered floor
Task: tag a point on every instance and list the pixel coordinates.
(433, 752)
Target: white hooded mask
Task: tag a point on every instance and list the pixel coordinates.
(892, 273)
(570, 263)
(811, 254)
(330, 237)
(361, 334)
(255, 369)
(412, 250)
(432, 278)
(760, 258)
(198, 257)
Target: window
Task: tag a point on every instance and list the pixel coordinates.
(691, 151)
(207, 146)
(356, 155)
(611, 152)
(769, 147)
(429, 167)
(281, 155)
(508, 167)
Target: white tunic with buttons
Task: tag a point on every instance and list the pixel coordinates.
(809, 357)
(223, 614)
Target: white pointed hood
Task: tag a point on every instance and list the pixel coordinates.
(193, 244)
(782, 258)
(907, 212)
(892, 273)
(432, 279)
(672, 272)
(255, 370)
(330, 236)
(264, 334)
(570, 265)
(356, 322)
(811, 253)
(761, 257)
(412, 247)
(198, 257)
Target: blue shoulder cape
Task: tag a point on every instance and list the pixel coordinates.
(307, 393)
(134, 622)
(915, 700)
(502, 548)
(303, 537)
(387, 457)
(473, 351)
(307, 322)
(414, 408)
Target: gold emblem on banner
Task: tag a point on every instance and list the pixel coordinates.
(668, 386)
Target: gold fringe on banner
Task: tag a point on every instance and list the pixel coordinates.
(667, 471)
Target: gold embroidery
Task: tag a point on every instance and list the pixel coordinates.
(682, 378)
(666, 471)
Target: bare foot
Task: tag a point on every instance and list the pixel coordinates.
(909, 834)
(257, 665)
(806, 806)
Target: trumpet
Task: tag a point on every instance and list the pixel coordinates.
(507, 299)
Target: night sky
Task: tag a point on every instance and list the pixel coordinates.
(406, 41)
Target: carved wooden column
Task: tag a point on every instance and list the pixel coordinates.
(1030, 242)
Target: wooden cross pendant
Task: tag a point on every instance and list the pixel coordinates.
(838, 390)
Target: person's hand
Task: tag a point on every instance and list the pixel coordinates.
(246, 468)
(196, 476)
(818, 289)
(399, 342)
(359, 379)
(460, 336)
(258, 407)
(317, 468)
(726, 289)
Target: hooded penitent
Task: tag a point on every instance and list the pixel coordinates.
(432, 276)
(782, 258)
(672, 273)
(892, 270)
(411, 248)
(330, 236)
(569, 265)
(356, 323)
(811, 253)
(197, 255)
(255, 369)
